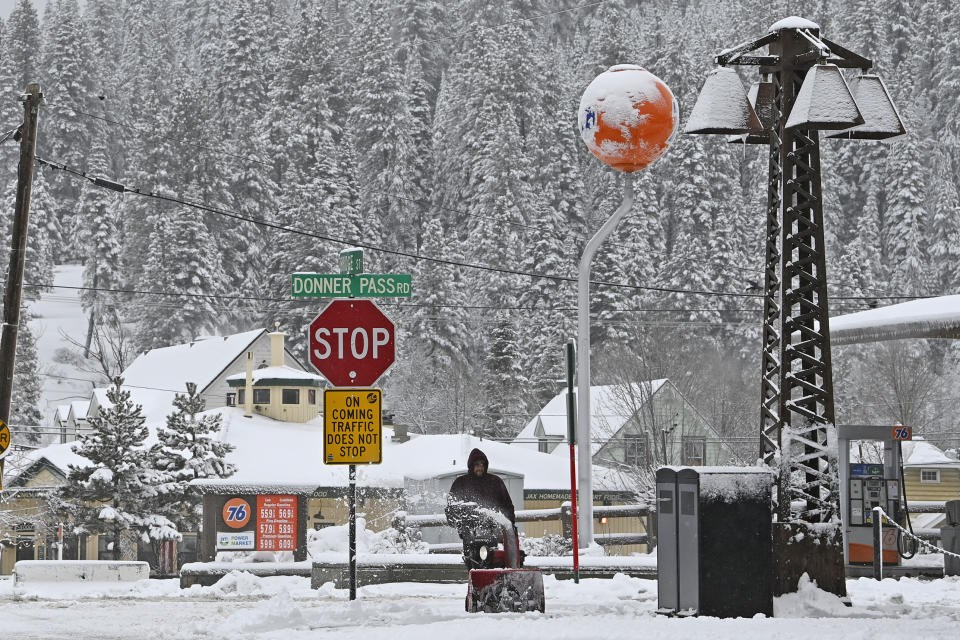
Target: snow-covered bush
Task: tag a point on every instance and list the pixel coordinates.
(335, 539)
(551, 544)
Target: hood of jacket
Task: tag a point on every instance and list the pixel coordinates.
(476, 455)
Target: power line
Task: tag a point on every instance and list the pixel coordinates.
(121, 188)
(402, 305)
(419, 201)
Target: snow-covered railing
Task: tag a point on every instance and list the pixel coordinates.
(926, 506)
(403, 520)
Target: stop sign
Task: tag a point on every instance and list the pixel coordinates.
(351, 343)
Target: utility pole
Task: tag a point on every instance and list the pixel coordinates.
(18, 249)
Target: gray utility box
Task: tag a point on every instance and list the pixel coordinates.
(950, 538)
(715, 548)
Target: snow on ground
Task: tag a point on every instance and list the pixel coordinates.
(241, 606)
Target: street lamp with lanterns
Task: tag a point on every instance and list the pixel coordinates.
(801, 91)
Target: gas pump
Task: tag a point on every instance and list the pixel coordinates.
(864, 486)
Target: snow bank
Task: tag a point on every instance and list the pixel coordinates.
(26, 571)
(280, 612)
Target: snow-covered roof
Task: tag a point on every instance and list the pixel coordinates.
(278, 373)
(79, 409)
(920, 453)
(270, 453)
(928, 318)
(609, 411)
(61, 413)
(60, 456)
(170, 368)
(156, 404)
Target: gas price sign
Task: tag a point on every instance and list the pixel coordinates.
(352, 426)
(276, 523)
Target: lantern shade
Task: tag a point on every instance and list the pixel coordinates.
(761, 96)
(879, 113)
(723, 107)
(824, 101)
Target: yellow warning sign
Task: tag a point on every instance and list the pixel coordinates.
(4, 439)
(352, 426)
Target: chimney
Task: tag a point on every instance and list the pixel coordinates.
(248, 389)
(276, 346)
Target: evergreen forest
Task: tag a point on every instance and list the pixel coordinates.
(441, 136)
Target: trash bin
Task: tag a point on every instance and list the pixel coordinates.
(950, 538)
(715, 553)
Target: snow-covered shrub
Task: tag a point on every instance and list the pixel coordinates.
(551, 544)
(335, 539)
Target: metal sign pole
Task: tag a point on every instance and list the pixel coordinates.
(352, 497)
(572, 438)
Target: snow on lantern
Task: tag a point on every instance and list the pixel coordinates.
(628, 117)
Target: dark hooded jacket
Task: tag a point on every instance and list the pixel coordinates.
(487, 491)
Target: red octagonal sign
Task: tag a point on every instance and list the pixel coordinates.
(351, 343)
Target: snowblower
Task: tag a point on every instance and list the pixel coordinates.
(498, 581)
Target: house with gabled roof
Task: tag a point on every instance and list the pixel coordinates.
(643, 424)
(207, 362)
(71, 419)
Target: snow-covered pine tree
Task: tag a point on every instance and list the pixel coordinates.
(243, 81)
(504, 381)
(183, 261)
(43, 236)
(944, 231)
(502, 204)
(906, 216)
(112, 494)
(25, 416)
(98, 232)
(188, 448)
(438, 322)
(68, 89)
(21, 46)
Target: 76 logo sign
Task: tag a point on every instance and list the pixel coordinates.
(902, 433)
(236, 513)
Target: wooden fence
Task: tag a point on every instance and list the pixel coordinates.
(563, 513)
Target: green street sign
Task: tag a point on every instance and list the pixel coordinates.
(351, 261)
(341, 285)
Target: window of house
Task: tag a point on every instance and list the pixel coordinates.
(291, 396)
(542, 445)
(694, 451)
(242, 396)
(231, 399)
(312, 396)
(261, 396)
(105, 550)
(635, 450)
(930, 476)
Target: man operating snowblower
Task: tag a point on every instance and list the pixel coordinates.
(481, 510)
(475, 499)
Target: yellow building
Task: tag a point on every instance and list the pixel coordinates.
(929, 475)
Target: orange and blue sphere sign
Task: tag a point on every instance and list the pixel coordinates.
(628, 117)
